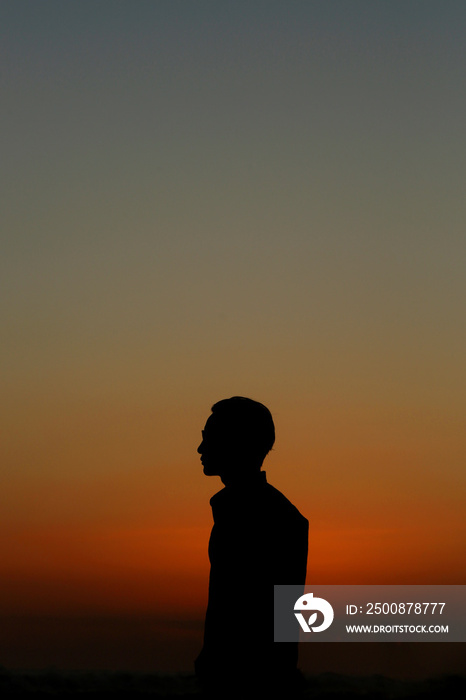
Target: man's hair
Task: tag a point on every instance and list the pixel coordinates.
(248, 423)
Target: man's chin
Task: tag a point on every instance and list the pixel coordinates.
(209, 471)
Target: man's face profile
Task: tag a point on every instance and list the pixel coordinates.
(236, 438)
(216, 455)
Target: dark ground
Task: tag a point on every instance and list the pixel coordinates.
(107, 684)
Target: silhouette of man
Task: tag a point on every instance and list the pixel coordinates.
(258, 539)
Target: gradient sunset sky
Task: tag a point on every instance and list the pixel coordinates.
(203, 199)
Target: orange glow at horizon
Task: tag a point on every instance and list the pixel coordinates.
(124, 531)
(164, 571)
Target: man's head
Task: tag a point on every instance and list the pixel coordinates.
(236, 438)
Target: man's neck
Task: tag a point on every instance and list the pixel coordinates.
(244, 480)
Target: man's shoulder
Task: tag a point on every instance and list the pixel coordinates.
(263, 500)
(282, 507)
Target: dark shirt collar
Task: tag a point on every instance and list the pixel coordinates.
(243, 487)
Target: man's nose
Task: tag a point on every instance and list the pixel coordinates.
(199, 449)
